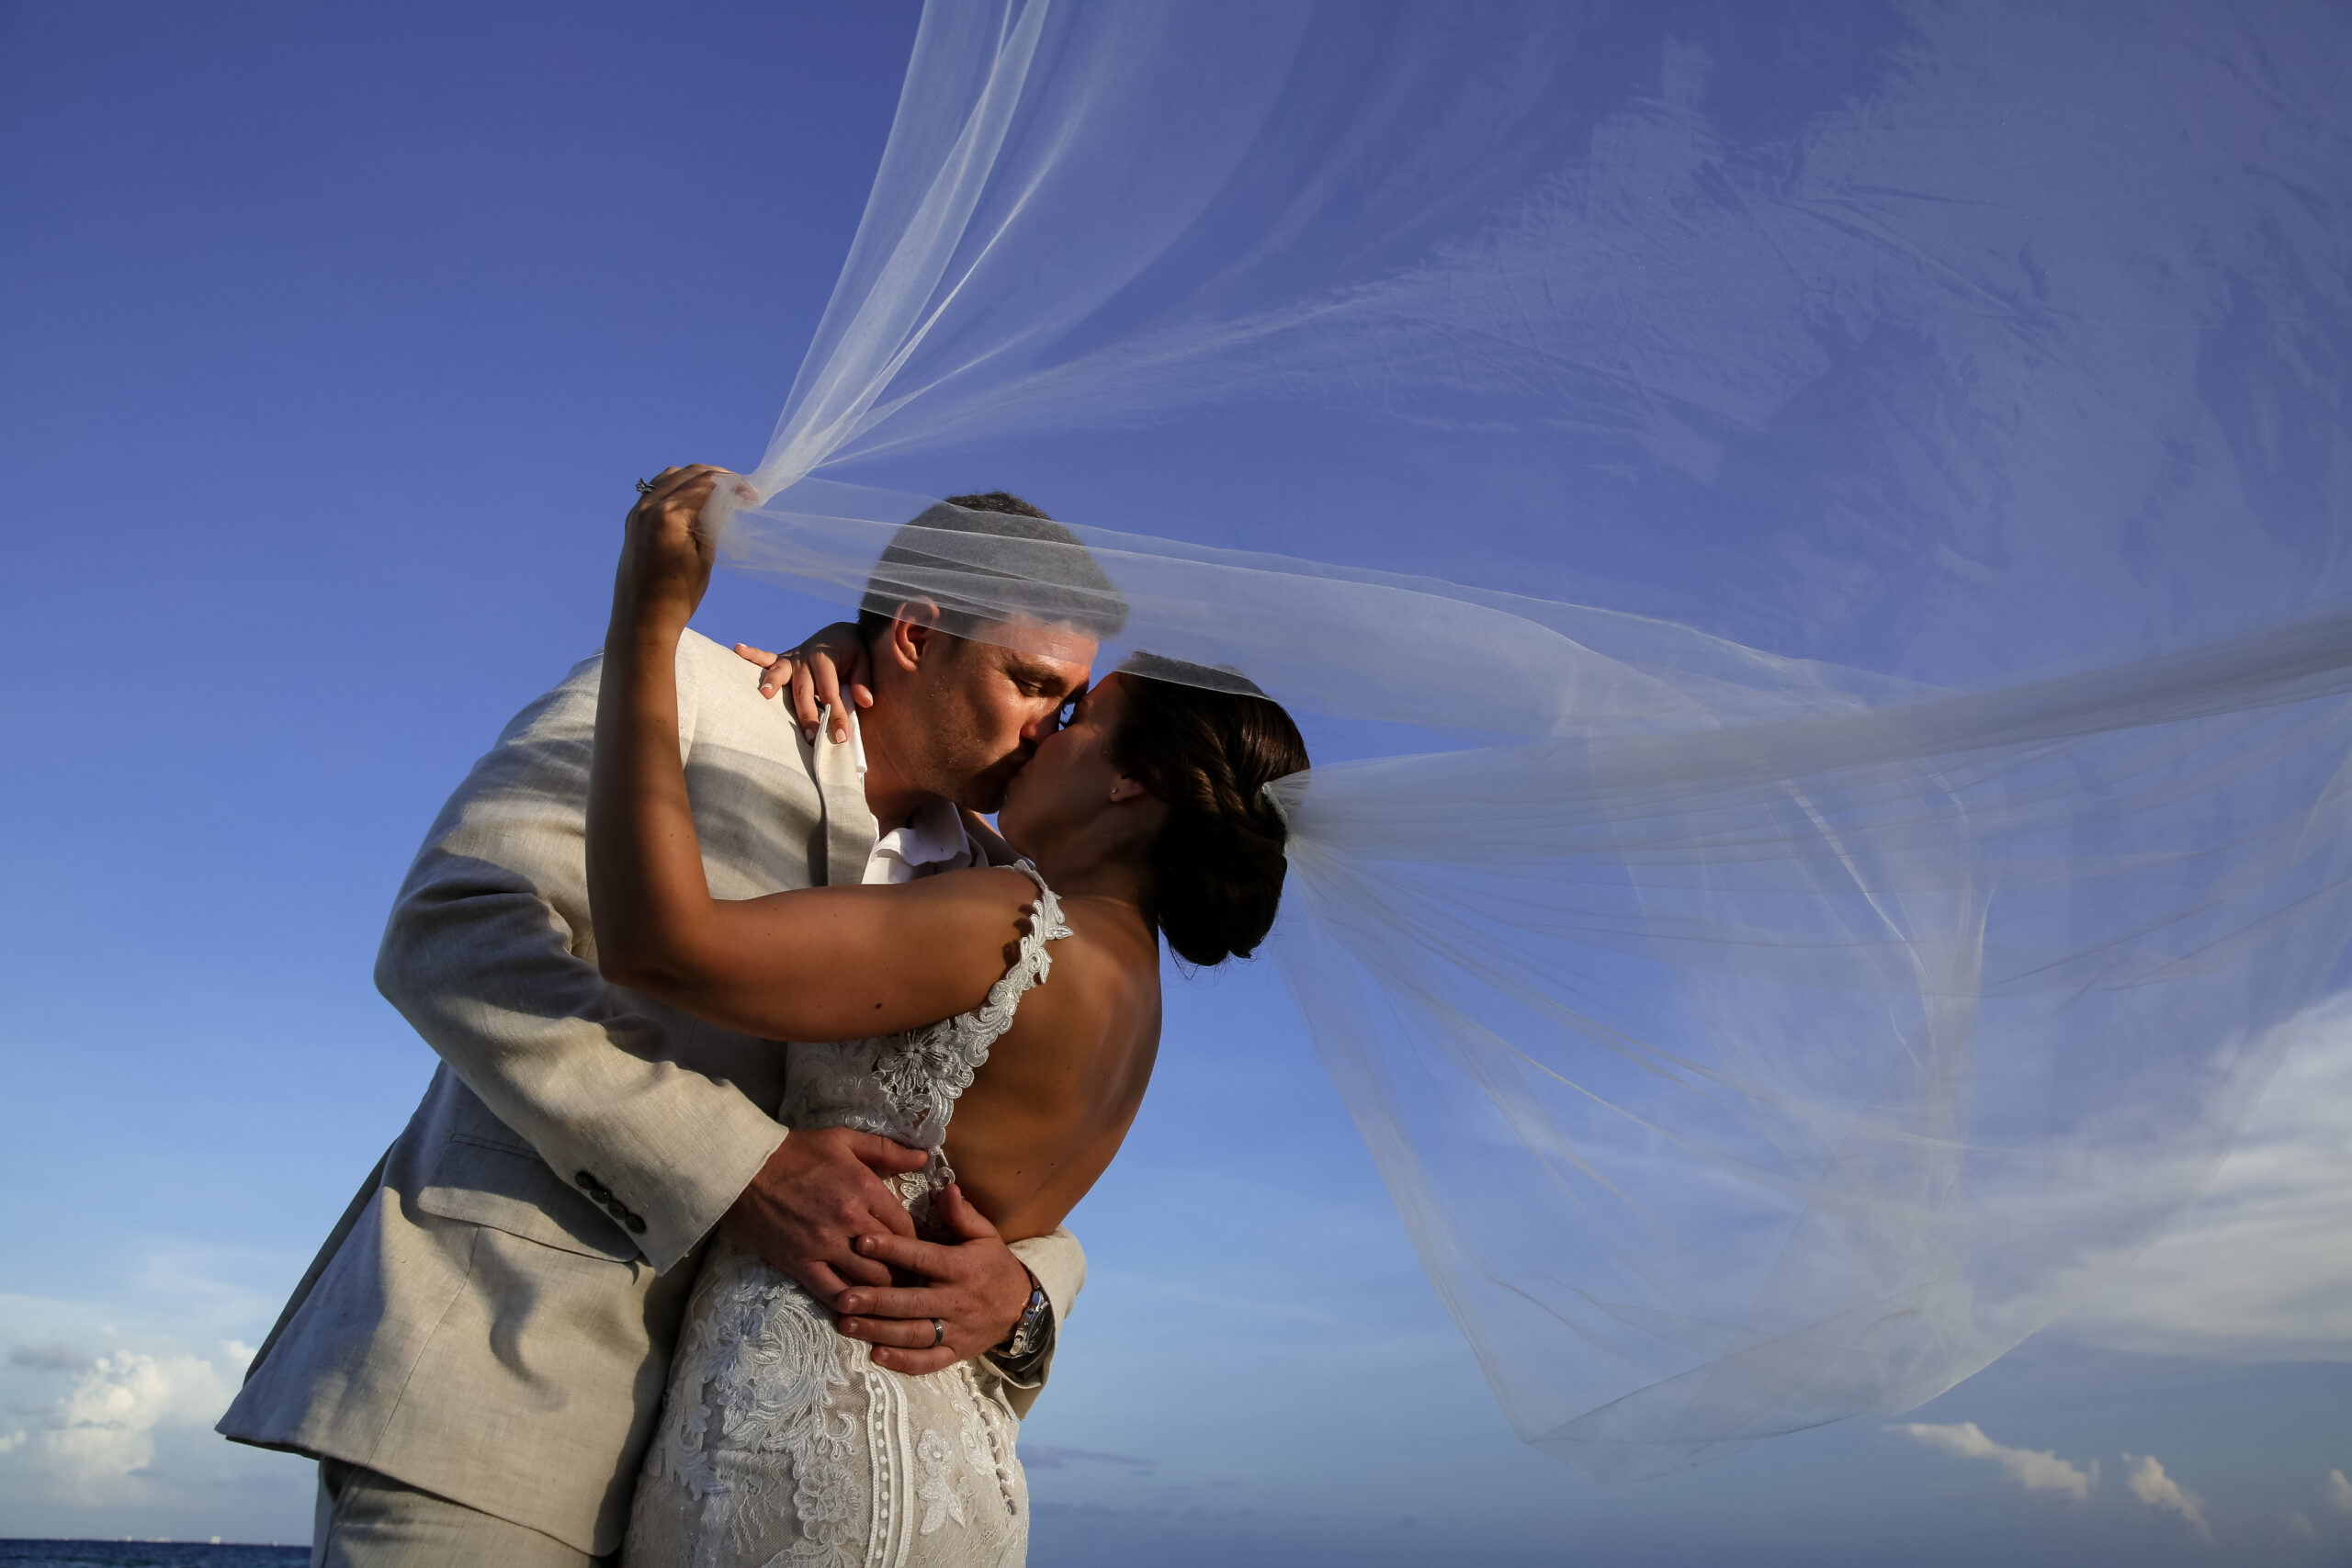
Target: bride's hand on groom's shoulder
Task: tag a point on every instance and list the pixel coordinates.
(667, 554)
(975, 1292)
(817, 674)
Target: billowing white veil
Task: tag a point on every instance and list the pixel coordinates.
(1850, 500)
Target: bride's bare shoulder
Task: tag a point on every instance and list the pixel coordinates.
(1104, 977)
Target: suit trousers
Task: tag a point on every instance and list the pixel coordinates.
(368, 1520)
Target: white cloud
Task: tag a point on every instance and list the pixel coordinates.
(2339, 1490)
(102, 1429)
(2037, 1470)
(125, 1444)
(2256, 1266)
(110, 1400)
(88, 1429)
(2301, 1525)
(2153, 1486)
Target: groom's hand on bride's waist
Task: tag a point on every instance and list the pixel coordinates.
(972, 1295)
(820, 1191)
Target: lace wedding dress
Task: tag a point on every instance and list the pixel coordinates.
(781, 1443)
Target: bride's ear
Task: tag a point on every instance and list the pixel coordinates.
(1127, 789)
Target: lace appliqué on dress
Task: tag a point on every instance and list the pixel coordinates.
(781, 1444)
(923, 1073)
(768, 1367)
(943, 1493)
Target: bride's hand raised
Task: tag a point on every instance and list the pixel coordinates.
(668, 553)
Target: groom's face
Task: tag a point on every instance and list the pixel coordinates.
(981, 707)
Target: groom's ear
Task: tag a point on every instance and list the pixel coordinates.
(910, 635)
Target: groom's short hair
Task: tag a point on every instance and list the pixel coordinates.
(1019, 562)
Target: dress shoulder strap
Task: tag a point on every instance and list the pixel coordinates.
(1046, 924)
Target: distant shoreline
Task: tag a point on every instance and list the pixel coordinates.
(33, 1551)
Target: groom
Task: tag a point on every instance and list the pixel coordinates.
(478, 1353)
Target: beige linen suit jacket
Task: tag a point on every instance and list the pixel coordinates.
(492, 1318)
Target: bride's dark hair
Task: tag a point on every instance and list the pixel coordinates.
(1217, 865)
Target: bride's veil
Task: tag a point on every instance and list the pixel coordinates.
(1846, 505)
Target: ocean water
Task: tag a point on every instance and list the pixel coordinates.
(146, 1554)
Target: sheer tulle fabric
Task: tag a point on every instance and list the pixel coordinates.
(1749, 1038)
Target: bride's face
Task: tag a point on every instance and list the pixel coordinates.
(1068, 780)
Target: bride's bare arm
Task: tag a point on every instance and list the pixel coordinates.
(891, 958)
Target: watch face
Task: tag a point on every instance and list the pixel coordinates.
(1033, 1317)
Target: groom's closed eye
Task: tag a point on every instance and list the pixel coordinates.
(1040, 682)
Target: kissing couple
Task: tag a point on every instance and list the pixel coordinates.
(730, 1232)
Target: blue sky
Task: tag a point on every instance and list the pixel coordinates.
(334, 341)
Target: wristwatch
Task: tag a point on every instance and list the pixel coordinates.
(1035, 1321)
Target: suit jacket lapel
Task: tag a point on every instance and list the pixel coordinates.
(849, 829)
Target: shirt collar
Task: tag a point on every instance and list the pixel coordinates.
(934, 834)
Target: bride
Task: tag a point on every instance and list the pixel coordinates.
(1143, 816)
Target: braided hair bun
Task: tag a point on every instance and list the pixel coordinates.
(1207, 755)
